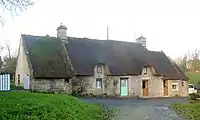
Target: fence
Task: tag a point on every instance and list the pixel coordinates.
(4, 82)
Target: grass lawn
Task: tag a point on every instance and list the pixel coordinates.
(194, 77)
(40, 106)
(190, 111)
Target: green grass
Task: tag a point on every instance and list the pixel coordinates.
(194, 77)
(40, 106)
(190, 111)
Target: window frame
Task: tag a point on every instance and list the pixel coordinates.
(143, 84)
(182, 83)
(18, 79)
(175, 84)
(99, 69)
(145, 71)
(99, 83)
(67, 80)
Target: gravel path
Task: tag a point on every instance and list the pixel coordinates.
(141, 109)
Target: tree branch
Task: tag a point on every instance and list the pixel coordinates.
(14, 6)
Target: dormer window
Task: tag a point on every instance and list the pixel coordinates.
(145, 71)
(99, 68)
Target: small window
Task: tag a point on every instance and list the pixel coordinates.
(182, 83)
(174, 87)
(164, 82)
(99, 83)
(145, 71)
(99, 69)
(18, 79)
(66, 80)
(191, 86)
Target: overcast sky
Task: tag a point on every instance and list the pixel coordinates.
(169, 25)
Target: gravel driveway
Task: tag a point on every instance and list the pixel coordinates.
(140, 109)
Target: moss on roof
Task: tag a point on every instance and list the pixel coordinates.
(47, 57)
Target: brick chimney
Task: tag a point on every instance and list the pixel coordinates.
(62, 32)
(142, 41)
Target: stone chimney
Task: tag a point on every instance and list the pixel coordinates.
(142, 41)
(62, 32)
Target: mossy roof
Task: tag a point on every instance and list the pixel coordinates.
(47, 56)
(49, 59)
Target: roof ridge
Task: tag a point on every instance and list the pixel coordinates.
(83, 38)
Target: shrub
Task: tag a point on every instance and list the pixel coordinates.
(176, 95)
(14, 87)
(40, 106)
(194, 96)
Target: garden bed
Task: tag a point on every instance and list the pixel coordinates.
(40, 106)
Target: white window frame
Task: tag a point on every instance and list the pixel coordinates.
(99, 83)
(145, 71)
(99, 69)
(176, 86)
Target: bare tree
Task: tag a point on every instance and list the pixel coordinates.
(8, 49)
(1, 60)
(1, 48)
(182, 63)
(14, 6)
(193, 60)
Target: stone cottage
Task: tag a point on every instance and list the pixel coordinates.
(97, 67)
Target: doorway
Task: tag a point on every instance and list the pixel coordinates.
(145, 87)
(26, 81)
(165, 86)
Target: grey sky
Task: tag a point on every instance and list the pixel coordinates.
(169, 25)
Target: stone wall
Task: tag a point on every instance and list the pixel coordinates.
(181, 89)
(156, 88)
(88, 83)
(111, 85)
(47, 85)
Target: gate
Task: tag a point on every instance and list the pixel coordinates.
(4, 82)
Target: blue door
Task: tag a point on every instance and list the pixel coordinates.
(124, 87)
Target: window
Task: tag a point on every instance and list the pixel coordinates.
(143, 85)
(99, 83)
(165, 83)
(191, 86)
(182, 83)
(99, 69)
(66, 80)
(18, 79)
(174, 87)
(145, 71)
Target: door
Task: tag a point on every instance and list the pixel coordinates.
(124, 87)
(145, 87)
(165, 86)
(26, 82)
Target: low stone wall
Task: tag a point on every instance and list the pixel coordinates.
(182, 89)
(49, 85)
